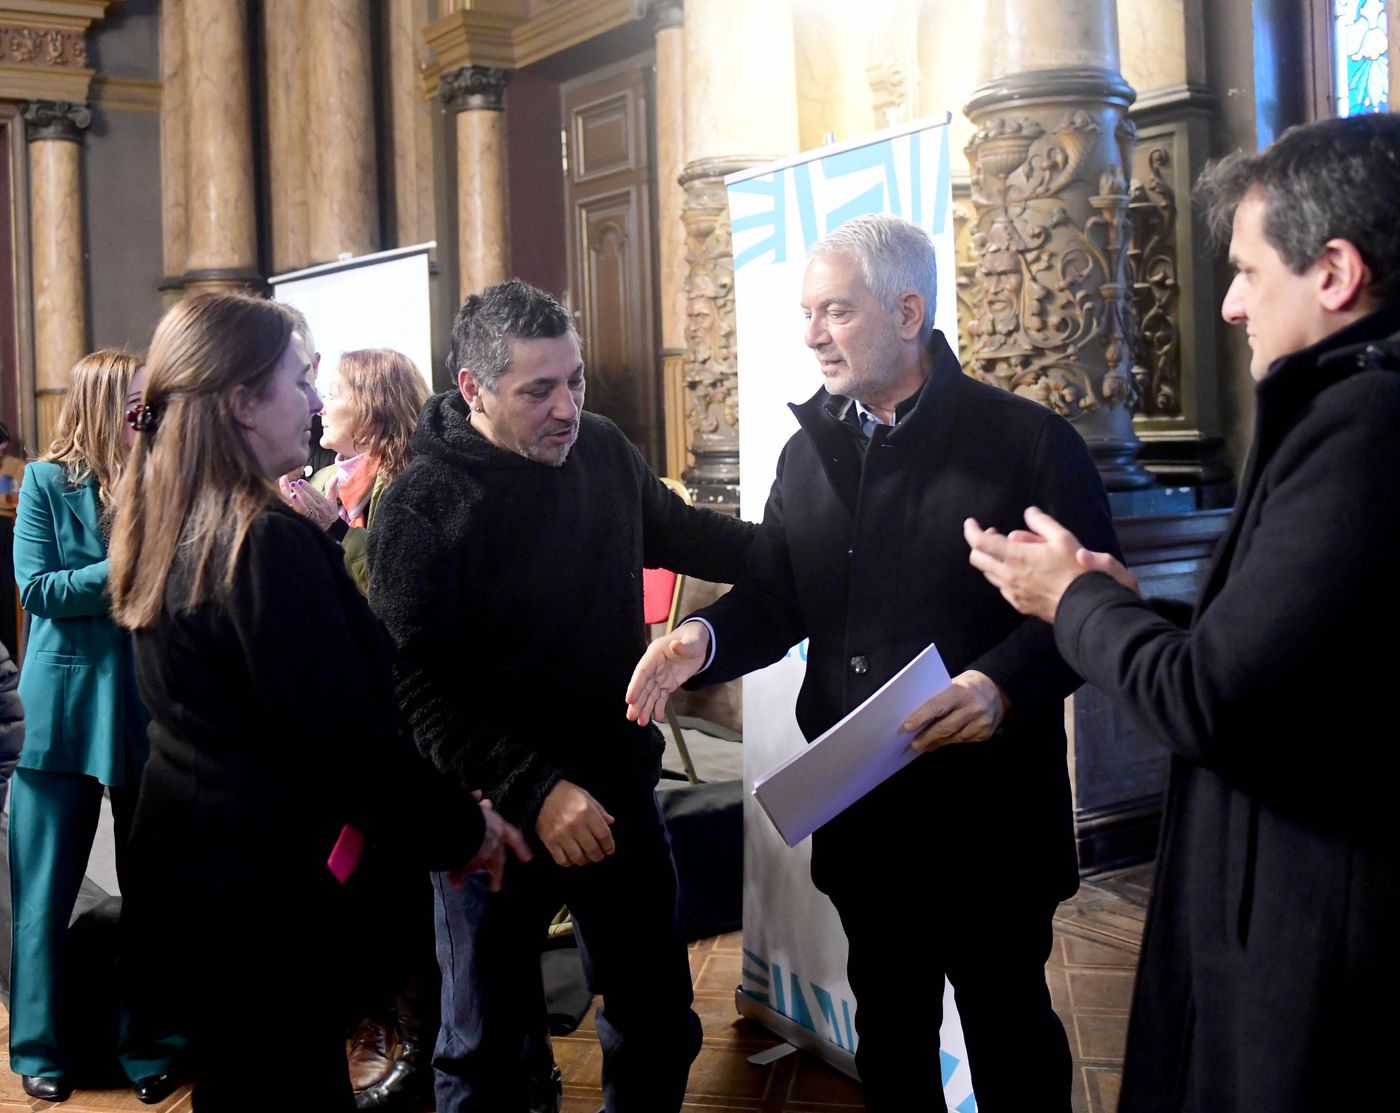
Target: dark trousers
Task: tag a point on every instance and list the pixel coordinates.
(906, 931)
(493, 1014)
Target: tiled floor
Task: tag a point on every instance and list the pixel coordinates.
(1090, 976)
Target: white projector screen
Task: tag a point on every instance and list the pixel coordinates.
(372, 301)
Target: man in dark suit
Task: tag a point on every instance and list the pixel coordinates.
(1270, 949)
(970, 847)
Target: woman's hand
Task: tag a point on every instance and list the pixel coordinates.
(302, 497)
(500, 840)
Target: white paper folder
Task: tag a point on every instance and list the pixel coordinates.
(863, 750)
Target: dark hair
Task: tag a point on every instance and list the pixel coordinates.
(1332, 180)
(490, 320)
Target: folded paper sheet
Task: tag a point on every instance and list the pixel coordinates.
(863, 750)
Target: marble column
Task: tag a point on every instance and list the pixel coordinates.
(477, 95)
(1050, 157)
(410, 123)
(670, 241)
(342, 200)
(740, 109)
(56, 246)
(290, 110)
(222, 250)
(173, 152)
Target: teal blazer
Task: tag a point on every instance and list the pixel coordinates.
(82, 711)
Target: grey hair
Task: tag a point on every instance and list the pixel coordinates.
(487, 323)
(895, 257)
(1335, 179)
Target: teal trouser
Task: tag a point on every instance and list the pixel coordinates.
(53, 819)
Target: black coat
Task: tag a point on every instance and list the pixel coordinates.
(865, 557)
(514, 593)
(258, 760)
(1268, 975)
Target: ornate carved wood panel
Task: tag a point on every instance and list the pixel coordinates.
(608, 195)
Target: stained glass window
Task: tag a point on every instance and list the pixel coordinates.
(1361, 59)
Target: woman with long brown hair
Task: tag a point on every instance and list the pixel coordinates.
(258, 796)
(86, 726)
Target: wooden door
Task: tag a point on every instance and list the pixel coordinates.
(608, 200)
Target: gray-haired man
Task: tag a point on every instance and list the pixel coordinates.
(962, 857)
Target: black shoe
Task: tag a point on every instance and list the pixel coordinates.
(47, 1088)
(154, 1088)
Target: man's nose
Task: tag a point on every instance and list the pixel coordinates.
(566, 405)
(1232, 308)
(816, 334)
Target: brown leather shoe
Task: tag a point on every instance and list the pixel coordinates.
(373, 1050)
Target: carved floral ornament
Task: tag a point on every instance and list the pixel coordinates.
(1153, 264)
(711, 362)
(1049, 297)
(43, 46)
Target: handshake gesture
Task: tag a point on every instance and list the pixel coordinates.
(668, 663)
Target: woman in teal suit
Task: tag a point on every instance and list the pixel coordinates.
(85, 724)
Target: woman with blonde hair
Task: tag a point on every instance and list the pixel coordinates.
(258, 797)
(85, 724)
(369, 407)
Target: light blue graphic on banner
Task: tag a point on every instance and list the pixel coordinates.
(890, 176)
(790, 997)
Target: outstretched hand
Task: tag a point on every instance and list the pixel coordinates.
(669, 662)
(1033, 567)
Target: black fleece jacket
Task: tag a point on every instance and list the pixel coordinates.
(513, 590)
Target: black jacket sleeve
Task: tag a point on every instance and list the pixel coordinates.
(416, 590)
(692, 540)
(1026, 665)
(759, 619)
(1280, 664)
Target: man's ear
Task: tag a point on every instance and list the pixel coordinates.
(1344, 277)
(470, 388)
(911, 315)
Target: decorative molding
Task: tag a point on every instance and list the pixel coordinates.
(43, 46)
(61, 120)
(1152, 264)
(132, 94)
(43, 49)
(501, 36)
(474, 87)
(66, 15)
(668, 15)
(711, 367)
(1173, 100)
(890, 91)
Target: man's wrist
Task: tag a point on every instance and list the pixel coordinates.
(709, 657)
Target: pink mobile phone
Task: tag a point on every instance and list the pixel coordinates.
(345, 855)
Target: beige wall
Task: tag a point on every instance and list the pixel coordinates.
(1161, 43)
